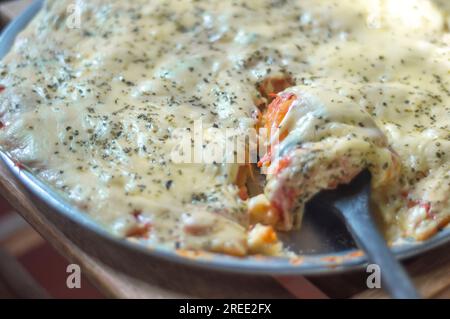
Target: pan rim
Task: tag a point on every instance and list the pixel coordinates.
(309, 264)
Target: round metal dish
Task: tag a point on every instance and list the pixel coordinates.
(324, 245)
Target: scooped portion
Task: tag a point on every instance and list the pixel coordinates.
(317, 139)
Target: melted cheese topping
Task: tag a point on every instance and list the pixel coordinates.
(91, 109)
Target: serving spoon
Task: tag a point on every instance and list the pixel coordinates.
(351, 202)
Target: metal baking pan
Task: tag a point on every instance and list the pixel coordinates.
(324, 244)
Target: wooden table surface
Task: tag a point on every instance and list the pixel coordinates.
(430, 272)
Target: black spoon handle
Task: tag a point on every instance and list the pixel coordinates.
(357, 215)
